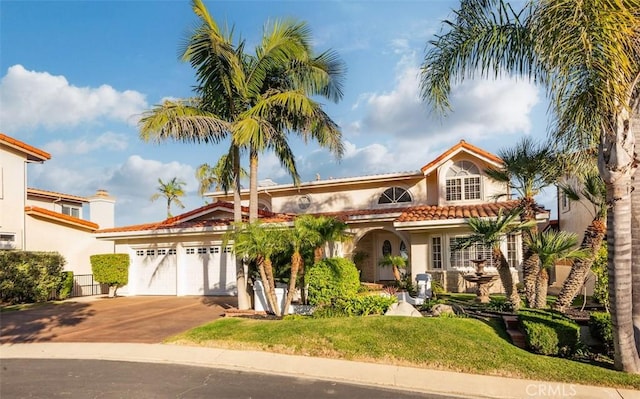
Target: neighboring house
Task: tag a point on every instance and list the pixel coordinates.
(40, 220)
(418, 214)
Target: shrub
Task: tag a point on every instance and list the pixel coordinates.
(361, 305)
(550, 333)
(599, 268)
(332, 280)
(601, 327)
(66, 285)
(29, 276)
(111, 269)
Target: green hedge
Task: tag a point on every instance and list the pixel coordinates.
(66, 285)
(111, 269)
(332, 280)
(27, 277)
(601, 327)
(361, 305)
(550, 333)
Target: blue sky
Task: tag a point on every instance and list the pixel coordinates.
(76, 75)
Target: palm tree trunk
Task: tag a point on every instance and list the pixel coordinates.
(506, 278)
(396, 272)
(244, 301)
(635, 222)
(542, 286)
(592, 242)
(296, 261)
(615, 160)
(265, 282)
(253, 185)
(271, 291)
(530, 261)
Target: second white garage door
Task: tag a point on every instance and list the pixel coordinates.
(155, 272)
(209, 270)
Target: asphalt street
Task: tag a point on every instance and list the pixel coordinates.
(48, 378)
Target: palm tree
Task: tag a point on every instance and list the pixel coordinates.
(259, 243)
(255, 99)
(592, 189)
(171, 191)
(395, 262)
(527, 168)
(586, 55)
(219, 176)
(551, 246)
(300, 239)
(492, 232)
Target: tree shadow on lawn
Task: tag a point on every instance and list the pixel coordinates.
(41, 324)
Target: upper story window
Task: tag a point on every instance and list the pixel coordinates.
(463, 182)
(71, 211)
(394, 195)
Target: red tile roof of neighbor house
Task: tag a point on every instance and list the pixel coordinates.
(461, 145)
(37, 211)
(35, 154)
(182, 221)
(55, 195)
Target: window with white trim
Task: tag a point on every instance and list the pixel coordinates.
(463, 182)
(463, 257)
(395, 195)
(512, 250)
(436, 252)
(71, 211)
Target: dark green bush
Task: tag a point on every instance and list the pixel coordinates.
(361, 305)
(66, 285)
(27, 277)
(599, 268)
(111, 269)
(601, 328)
(332, 280)
(550, 333)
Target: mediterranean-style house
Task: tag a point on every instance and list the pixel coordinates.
(38, 220)
(418, 214)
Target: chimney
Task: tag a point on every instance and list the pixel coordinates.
(102, 209)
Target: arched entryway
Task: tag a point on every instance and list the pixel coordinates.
(371, 246)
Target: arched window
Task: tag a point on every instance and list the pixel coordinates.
(386, 248)
(463, 182)
(403, 250)
(394, 195)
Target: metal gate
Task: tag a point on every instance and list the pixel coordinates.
(84, 285)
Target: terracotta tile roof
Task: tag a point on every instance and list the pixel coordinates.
(424, 213)
(461, 145)
(55, 195)
(344, 215)
(182, 221)
(33, 153)
(34, 210)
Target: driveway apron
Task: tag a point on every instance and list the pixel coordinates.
(143, 319)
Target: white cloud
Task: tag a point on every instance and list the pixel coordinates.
(33, 99)
(106, 141)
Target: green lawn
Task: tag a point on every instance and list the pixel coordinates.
(456, 344)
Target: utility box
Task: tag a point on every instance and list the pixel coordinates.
(423, 283)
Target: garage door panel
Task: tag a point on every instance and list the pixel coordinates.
(207, 271)
(156, 272)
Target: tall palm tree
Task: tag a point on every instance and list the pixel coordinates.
(593, 190)
(255, 99)
(171, 191)
(586, 54)
(551, 246)
(492, 232)
(527, 168)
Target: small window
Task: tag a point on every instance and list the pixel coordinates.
(462, 258)
(512, 250)
(386, 248)
(140, 252)
(214, 250)
(71, 211)
(403, 250)
(172, 251)
(7, 237)
(191, 251)
(436, 252)
(151, 252)
(394, 195)
(202, 251)
(565, 204)
(227, 250)
(162, 252)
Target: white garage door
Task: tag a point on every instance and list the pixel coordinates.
(155, 272)
(210, 270)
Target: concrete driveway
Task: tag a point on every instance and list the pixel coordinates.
(142, 319)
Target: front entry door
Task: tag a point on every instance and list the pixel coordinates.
(388, 244)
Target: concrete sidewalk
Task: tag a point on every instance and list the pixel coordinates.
(406, 378)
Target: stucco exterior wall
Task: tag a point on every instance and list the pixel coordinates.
(76, 245)
(12, 195)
